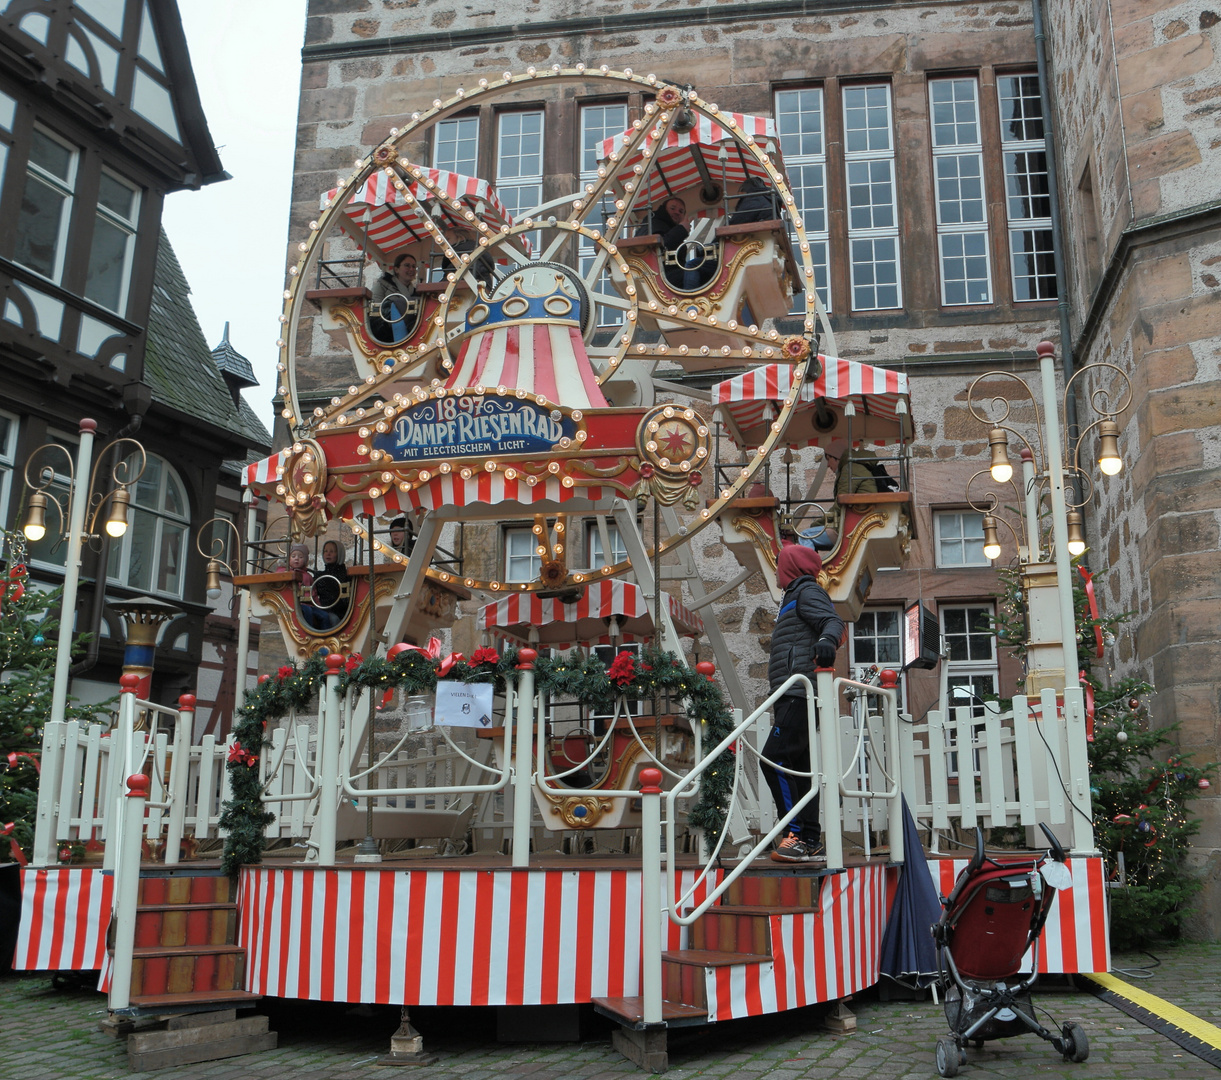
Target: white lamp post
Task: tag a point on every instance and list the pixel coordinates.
(81, 518)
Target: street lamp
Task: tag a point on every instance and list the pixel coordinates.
(73, 525)
(233, 565)
(1052, 648)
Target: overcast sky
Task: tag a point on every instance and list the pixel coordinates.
(231, 237)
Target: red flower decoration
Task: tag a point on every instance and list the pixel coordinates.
(285, 672)
(236, 753)
(623, 670)
(251, 759)
(353, 662)
(484, 656)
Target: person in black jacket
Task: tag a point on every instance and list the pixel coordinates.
(805, 638)
(329, 581)
(669, 221)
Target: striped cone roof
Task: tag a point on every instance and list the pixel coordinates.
(583, 622)
(879, 398)
(674, 166)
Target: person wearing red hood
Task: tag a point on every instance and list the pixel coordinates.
(805, 638)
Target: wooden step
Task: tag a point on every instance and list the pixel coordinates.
(629, 1011)
(152, 1001)
(212, 923)
(683, 973)
(156, 890)
(188, 950)
(195, 970)
(785, 889)
(201, 1042)
(219, 905)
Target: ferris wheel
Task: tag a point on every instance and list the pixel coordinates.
(533, 376)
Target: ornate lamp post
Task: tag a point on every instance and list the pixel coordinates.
(78, 522)
(1052, 648)
(235, 564)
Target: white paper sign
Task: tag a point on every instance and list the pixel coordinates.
(464, 704)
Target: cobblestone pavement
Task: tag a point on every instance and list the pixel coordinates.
(52, 1034)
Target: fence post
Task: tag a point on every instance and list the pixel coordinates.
(829, 760)
(328, 763)
(46, 819)
(523, 798)
(180, 771)
(127, 891)
(650, 893)
(889, 680)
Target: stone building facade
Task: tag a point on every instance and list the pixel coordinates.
(959, 279)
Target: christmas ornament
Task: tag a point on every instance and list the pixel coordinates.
(1204, 784)
(39, 639)
(1121, 737)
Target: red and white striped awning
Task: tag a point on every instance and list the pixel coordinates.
(585, 621)
(262, 476)
(867, 404)
(394, 221)
(674, 165)
(540, 358)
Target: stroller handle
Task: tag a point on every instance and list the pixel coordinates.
(1057, 850)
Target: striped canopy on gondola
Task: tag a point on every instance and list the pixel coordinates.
(262, 476)
(395, 222)
(585, 621)
(677, 159)
(847, 400)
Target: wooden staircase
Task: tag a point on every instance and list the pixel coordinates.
(734, 933)
(188, 973)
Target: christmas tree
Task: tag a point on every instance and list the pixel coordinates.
(28, 635)
(1140, 785)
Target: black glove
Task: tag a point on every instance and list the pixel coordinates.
(824, 652)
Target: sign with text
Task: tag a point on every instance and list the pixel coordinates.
(473, 425)
(464, 704)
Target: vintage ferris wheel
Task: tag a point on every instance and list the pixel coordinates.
(529, 371)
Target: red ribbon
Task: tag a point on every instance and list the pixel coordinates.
(14, 847)
(432, 651)
(1088, 578)
(17, 754)
(1089, 708)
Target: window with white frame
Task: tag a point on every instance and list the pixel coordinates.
(114, 240)
(960, 538)
(456, 145)
(598, 122)
(873, 220)
(8, 448)
(519, 163)
(522, 559)
(970, 643)
(799, 121)
(877, 638)
(1027, 191)
(958, 176)
(46, 205)
(594, 550)
(151, 555)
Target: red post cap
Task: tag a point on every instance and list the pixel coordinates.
(1025, 454)
(334, 663)
(706, 668)
(263, 679)
(650, 781)
(527, 656)
(129, 683)
(889, 678)
(89, 425)
(1045, 348)
(186, 703)
(137, 786)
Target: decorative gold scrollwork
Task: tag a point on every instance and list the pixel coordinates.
(304, 483)
(673, 445)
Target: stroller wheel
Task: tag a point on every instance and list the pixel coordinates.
(947, 1057)
(1076, 1045)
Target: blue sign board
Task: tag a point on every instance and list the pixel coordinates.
(472, 425)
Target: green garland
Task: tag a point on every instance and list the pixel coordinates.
(586, 678)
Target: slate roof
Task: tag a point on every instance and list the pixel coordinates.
(232, 363)
(179, 366)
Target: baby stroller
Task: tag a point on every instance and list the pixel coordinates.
(994, 913)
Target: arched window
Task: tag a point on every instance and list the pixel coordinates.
(151, 556)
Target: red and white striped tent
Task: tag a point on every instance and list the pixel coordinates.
(547, 358)
(676, 162)
(262, 476)
(395, 222)
(848, 400)
(585, 621)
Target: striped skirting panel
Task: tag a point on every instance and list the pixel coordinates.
(64, 915)
(815, 956)
(445, 937)
(1076, 936)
